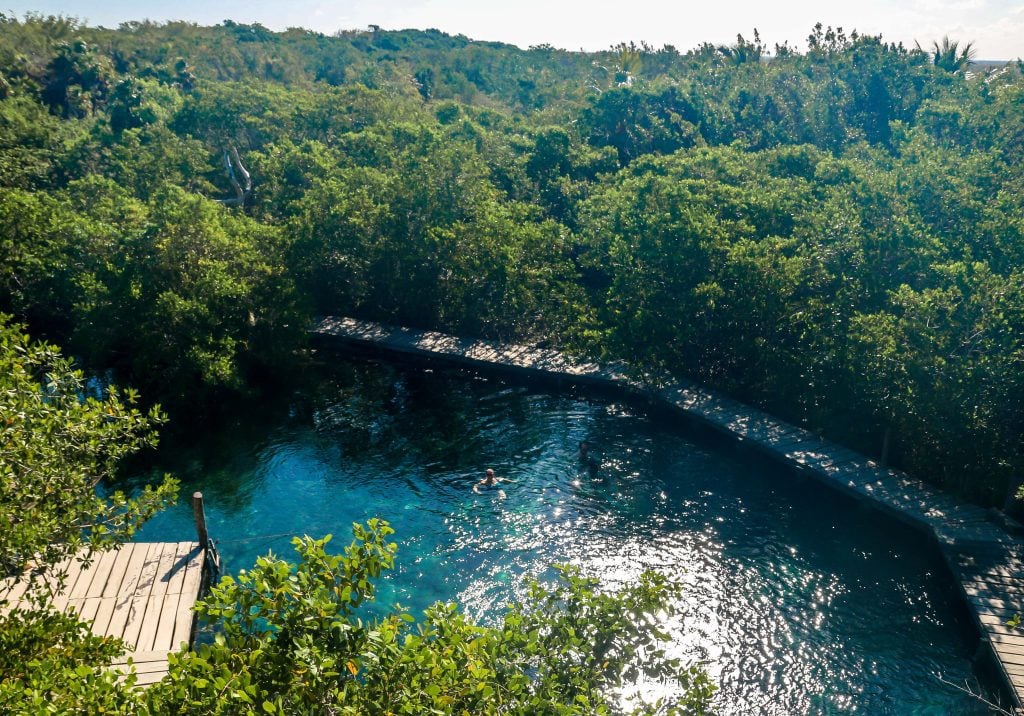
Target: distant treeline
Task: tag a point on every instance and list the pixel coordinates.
(836, 235)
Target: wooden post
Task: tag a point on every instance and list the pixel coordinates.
(200, 515)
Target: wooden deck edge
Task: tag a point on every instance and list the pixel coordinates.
(141, 593)
(750, 426)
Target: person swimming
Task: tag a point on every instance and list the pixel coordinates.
(588, 461)
(490, 482)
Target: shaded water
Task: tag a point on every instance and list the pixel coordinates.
(798, 600)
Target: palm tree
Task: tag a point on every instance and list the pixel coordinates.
(945, 56)
(744, 51)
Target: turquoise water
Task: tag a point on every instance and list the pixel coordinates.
(799, 601)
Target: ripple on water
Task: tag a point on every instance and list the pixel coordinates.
(796, 601)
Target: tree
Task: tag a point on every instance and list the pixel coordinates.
(643, 121)
(77, 80)
(60, 438)
(191, 300)
(298, 639)
(744, 51)
(424, 81)
(946, 57)
(125, 105)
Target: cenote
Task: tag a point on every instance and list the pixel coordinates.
(798, 600)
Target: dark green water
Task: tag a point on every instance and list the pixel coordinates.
(800, 601)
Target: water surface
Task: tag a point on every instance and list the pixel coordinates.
(800, 601)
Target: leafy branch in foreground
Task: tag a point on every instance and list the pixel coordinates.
(291, 639)
(58, 442)
(51, 663)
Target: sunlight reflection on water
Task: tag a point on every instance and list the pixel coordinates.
(797, 601)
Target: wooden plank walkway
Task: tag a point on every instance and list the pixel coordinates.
(141, 592)
(985, 560)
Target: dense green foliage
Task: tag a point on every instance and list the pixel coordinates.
(836, 235)
(52, 664)
(58, 444)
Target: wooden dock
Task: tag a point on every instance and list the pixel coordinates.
(984, 559)
(141, 592)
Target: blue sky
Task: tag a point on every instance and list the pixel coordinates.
(995, 26)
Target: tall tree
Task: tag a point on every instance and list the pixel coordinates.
(949, 56)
